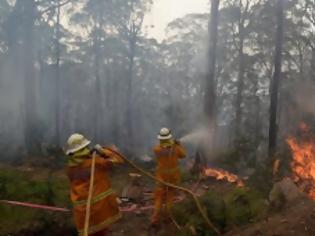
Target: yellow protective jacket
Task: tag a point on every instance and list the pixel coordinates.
(104, 208)
(167, 157)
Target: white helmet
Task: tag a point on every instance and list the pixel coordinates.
(76, 142)
(165, 134)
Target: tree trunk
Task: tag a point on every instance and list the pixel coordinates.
(58, 94)
(115, 108)
(98, 103)
(210, 93)
(132, 47)
(257, 114)
(275, 82)
(98, 97)
(30, 112)
(312, 74)
(240, 84)
(301, 62)
(41, 79)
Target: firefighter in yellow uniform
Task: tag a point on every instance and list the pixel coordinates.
(167, 153)
(104, 209)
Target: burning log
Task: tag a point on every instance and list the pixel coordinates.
(223, 175)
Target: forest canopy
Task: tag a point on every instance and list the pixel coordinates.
(91, 67)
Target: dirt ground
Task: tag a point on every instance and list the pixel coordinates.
(298, 220)
(139, 225)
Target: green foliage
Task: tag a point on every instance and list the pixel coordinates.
(238, 206)
(215, 208)
(26, 186)
(278, 201)
(186, 213)
(243, 205)
(261, 180)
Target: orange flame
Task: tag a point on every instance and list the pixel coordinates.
(303, 163)
(223, 175)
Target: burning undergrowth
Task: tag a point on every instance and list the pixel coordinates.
(303, 160)
(302, 165)
(223, 175)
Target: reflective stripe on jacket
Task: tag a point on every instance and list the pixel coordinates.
(104, 208)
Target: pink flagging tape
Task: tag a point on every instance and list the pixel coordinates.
(133, 208)
(60, 209)
(36, 206)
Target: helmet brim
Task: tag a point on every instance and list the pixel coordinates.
(160, 137)
(78, 148)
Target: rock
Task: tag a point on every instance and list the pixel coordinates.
(134, 188)
(284, 192)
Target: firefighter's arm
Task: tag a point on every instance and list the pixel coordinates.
(110, 154)
(156, 151)
(180, 150)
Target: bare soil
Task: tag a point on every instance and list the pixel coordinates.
(298, 220)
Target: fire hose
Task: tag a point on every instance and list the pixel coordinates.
(88, 205)
(201, 211)
(87, 216)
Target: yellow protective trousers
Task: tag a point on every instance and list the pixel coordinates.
(163, 202)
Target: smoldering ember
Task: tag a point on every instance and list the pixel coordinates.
(157, 117)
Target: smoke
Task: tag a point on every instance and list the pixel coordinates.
(201, 136)
(146, 158)
(164, 92)
(305, 97)
(11, 101)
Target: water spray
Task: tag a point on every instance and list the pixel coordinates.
(196, 137)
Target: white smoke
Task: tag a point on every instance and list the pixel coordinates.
(305, 97)
(199, 136)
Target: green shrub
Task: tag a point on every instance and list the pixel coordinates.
(243, 205)
(21, 185)
(238, 206)
(187, 214)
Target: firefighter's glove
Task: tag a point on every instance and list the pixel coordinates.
(98, 148)
(114, 147)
